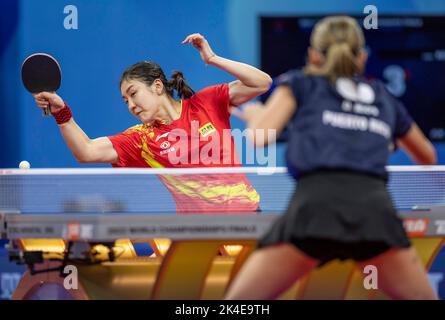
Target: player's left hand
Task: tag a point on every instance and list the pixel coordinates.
(200, 43)
(248, 112)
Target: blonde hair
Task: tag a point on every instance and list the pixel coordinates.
(339, 39)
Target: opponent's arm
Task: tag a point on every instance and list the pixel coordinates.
(417, 146)
(266, 122)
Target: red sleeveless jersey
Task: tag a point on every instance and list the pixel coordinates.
(201, 137)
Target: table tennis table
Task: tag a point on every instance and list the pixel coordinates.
(93, 218)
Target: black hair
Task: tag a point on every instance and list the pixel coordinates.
(148, 71)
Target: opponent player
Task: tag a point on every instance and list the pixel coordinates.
(343, 130)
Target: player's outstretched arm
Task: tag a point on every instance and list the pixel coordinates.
(251, 82)
(84, 149)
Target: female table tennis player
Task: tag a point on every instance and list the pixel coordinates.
(203, 115)
(343, 129)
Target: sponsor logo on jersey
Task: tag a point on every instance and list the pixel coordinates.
(206, 129)
(162, 136)
(165, 145)
(167, 151)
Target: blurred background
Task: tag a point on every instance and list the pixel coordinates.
(95, 41)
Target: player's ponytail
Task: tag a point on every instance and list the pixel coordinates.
(340, 62)
(178, 83)
(339, 40)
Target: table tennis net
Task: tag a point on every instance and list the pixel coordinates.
(164, 191)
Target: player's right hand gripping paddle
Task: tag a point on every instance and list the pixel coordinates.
(41, 72)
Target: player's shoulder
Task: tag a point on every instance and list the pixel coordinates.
(210, 91)
(291, 74)
(299, 82)
(298, 78)
(137, 129)
(379, 87)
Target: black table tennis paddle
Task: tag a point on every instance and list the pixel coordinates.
(41, 72)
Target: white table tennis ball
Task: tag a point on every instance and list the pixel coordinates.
(24, 165)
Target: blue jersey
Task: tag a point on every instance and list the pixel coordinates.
(350, 124)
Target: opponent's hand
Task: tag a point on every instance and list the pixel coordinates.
(51, 99)
(248, 112)
(200, 43)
